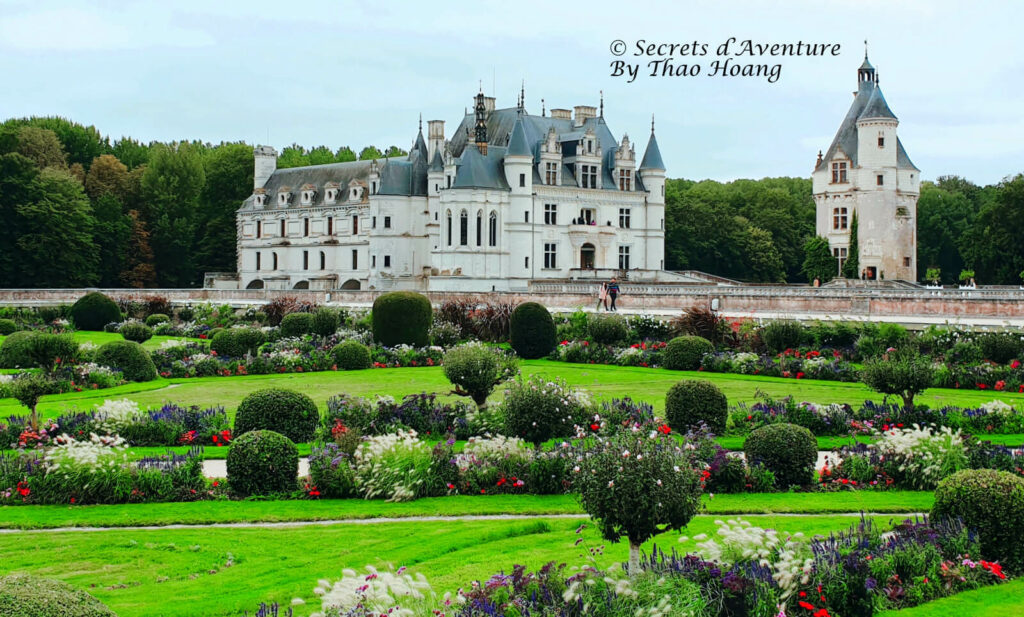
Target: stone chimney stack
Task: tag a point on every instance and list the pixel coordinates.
(435, 137)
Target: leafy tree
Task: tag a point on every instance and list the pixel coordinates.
(81, 143)
(293, 156)
(55, 234)
(28, 389)
(17, 189)
(171, 187)
(636, 486)
(396, 151)
(944, 219)
(344, 155)
(370, 152)
(819, 263)
(130, 152)
(111, 236)
(763, 257)
(321, 155)
(851, 268)
(903, 372)
(229, 176)
(107, 176)
(42, 147)
(995, 246)
(139, 270)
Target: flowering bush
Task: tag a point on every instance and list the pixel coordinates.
(377, 593)
(475, 369)
(537, 409)
(395, 467)
(918, 457)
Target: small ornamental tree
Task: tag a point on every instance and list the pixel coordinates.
(637, 486)
(49, 350)
(819, 263)
(851, 267)
(28, 389)
(933, 275)
(475, 369)
(904, 372)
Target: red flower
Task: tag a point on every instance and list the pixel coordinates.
(594, 427)
(799, 375)
(664, 429)
(72, 500)
(981, 386)
(806, 605)
(1015, 364)
(1000, 385)
(23, 489)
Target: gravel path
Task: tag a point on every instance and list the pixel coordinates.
(410, 519)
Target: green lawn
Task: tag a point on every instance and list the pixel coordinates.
(99, 338)
(604, 381)
(205, 512)
(1006, 600)
(183, 572)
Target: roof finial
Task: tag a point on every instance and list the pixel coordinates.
(652, 124)
(522, 95)
(481, 86)
(865, 49)
(421, 121)
(542, 108)
(601, 92)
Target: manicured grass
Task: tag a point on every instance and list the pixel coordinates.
(99, 338)
(1005, 600)
(182, 572)
(605, 382)
(205, 512)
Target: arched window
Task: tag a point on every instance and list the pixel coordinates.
(448, 222)
(275, 261)
(492, 230)
(479, 227)
(463, 228)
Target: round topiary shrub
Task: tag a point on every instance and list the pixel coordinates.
(684, 353)
(134, 331)
(608, 329)
(237, 342)
(186, 313)
(16, 350)
(22, 595)
(402, 317)
(537, 409)
(992, 503)
(296, 324)
(156, 319)
(93, 311)
(351, 356)
(474, 369)
(532, 331)
(290, 413)
(8, 326)
(787, 450)
(261, 463)
(325, 321)
(692, 401)
(781, 335)
(128, 357)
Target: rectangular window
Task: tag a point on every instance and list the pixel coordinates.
(373, 222)
(355, 259)
(258, 264)
(323, 260)
(449, 178)
(526, 216)
(479, 229)
(588, 176)
(880, 180)
(624, 218)
(387, 261)
(259, 229)
(526, 263)
(305, 227)
(387, 222)
(839, 218)
(623, 258)
(373, 261)
(283, 223)
(522, 180)
(906, 262)
(625, 180)
(839, 172)
(355, 225)
(305, 260)
(330, 226)
(881, 141)
(550, 173)
(550, 255)
(550, 214)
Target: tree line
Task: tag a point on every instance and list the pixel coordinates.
(82, 210)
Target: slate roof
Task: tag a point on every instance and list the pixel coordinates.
(868, 103)
(517, 145)
(652, 156)
(479, 171)
(317, 175)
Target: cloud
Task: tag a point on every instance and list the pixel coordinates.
(72, 29)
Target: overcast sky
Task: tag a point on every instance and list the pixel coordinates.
(341, 73)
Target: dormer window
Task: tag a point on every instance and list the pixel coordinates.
(307, 197)
(590, 146)
(331, 194)
(261, 200)
(588, 176)
(551, 173)
(625, 180)
(283, 197)
(355, 193)
(373, 187)
(839, 172)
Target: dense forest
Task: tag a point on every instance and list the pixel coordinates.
(82, 210)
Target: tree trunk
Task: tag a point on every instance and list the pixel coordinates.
(908, 402)
(634, 559)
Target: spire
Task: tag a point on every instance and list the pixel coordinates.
(542, 108)
(419, 144)
(601, 92)
(522, 96)
(517, 144)
(480, 132)
(866, 72)
(652, 157)
(436, 163)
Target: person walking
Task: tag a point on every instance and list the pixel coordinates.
(613, 293)
(602, 297)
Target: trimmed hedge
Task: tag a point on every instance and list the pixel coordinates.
(1000, 347)
(290, 413)
(140, 333)
(262, 463)
(532, 331)
(8, 326)
(351, 356)
(692, 401)
(325, 321)
(779, 336)
(608, 329)
(156, 319)
(992, 503)
(296, 324)
(787, 450)
(402, 317)
(129, 357)
(684, 353)
(237, 342)
(22, 595)
(16, 350)
(93, 311)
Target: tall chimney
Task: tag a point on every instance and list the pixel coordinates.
(435, 137)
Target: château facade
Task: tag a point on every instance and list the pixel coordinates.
(866, 173)
(510, 197)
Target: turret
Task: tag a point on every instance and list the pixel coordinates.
(652, 171)
(519, 160)
(265, 164)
